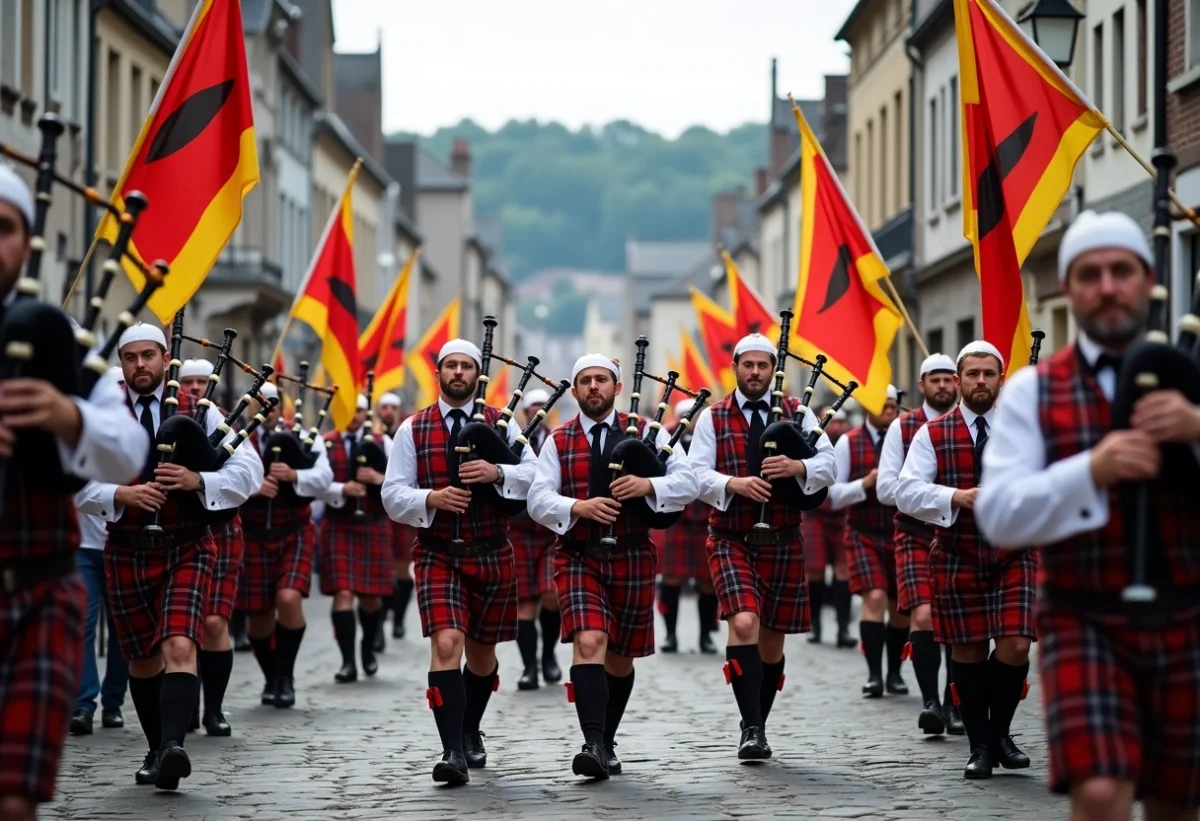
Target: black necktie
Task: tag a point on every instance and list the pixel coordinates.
(350, 442)
(879, 447)
(456, 425)
(147, 417)
(1106, 360)
(981, 437)
(758, 411)
(598, 475)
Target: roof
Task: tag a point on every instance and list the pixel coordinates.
(932, 24)
(408, 227)
(699, 276)
(294, 72)
(256, 14)
(434, 175)
(777, 190)
(357, 71)
(658, 259)
(332, 124)
(149, 22)
(859, 8)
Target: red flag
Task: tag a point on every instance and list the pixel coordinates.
(719, 332)
(423, 361)
(750, 312)
(381, 345)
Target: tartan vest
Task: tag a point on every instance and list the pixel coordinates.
(955, 451)
(344, 469)
(869, 516)
(37, 524)
(1074, 416)
(575, 460)
(910, 423)
(732, 431)
(483, 519)
(254, 510)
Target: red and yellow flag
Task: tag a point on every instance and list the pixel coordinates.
(327, 304)
(750, 311)
(718, 329)
(423, 361)
(1024, 128)
(693, 371)
(381, 345)
(498, 392)
(195, 158)
(841, 310)
(287, 407)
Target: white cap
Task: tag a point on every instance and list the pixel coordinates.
(980, 347)
(389, 398)
(537, 396)
(196, 367)
(14, 191)
(1092, 231)
(462, 346)
(268, 390)
(141, 332)
(937, 362)
(839, 415)
(595, 360)
(117, 373)
(362, 402)
(683, 406)
(892, 393)
(754, 342)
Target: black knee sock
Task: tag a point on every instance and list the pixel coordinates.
(216, 666)
(551, 622)
(343, 630)
(747, 684)
(668, 594)
(897, 637)
(145, 692)
(447, 697)
(772, 681)
(816, 600)
(873, 639)
(1005, 683)
(527, 642)
(370, 625)
(237, 623)
(926, 660)
(841, 603)
(619, 688)
(948, 699)
(479, 691)
(706, 605)
(589, 683)
(265, 655)
(176, 701)
(287, 643)
(401, 594)
(970, 682)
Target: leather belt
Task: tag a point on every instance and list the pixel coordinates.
(157, 541)
(462, 550)
(604, 552)
(26, 573)
(759, 538)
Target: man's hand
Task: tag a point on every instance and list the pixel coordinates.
(281, 472)
(354, 490)
(781, 467)
(631, 487)
(368, 476)
(35, 403)
(964, 499)
(176, 477)
(1167, 416)
(453, 499)
(147, 497)
(478, 472)
(870, 479)
(751, 487)
(269, 489)
(1122, 455)
(600, 509)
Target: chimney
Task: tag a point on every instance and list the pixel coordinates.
(724, 212)
(460, 158)
(760, 182)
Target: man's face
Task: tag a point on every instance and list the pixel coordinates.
(891, 409)
(389, 415)
(360, 416)
(458, 375)
(272, 419)
(939, 390)
(14, 246)
(595, 390)
(195, 385)
(754, 371)
(1109, 291)
(979, 380)
(142, 364)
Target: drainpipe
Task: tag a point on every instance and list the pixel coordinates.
(89, 214)
(910, 286)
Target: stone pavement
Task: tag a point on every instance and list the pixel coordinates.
(364, 750)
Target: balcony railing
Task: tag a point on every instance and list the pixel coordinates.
(247, 264)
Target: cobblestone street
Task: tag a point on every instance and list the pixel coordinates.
(364, 751)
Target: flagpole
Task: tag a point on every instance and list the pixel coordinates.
(895, 295)
(1187, 212)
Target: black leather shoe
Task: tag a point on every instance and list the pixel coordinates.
(397, 629)
(268, 693)
(216, 725)
(846, 641)
(112, 718)
(528, 679)
(1008, 755)
(81, 723)
(706, 645)
(241, 644)
(671, 645)
(931, 720)
(370, 665)
(814, 635)
(954, 722)
(896, 685)
(347, 674)
(148, 774)
(591, 762)
(474, 750)
(550, 669)
(980, 764)
(285, 693)
(379, 645)
(873, 688)
(614, 762)
(452, 770)
(753, 746)
(173, 765)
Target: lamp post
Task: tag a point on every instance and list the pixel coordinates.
(1054, 26)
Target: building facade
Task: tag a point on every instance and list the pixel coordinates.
(1183, 136)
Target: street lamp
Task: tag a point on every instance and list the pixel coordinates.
(1053, 25)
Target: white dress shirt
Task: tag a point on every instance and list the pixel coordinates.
(227, 488)
(917, 494)
(1023, 501)
(548, 507)
(332, 494)
(92, 534)
(820, 470)
(408, 504)
(112, 446)
(310, 482)
(844, 492)
(892, 459)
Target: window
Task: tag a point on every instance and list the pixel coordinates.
(935, 340)
(947, 137)
(883, 163)
(10, 43)
(1143, 74)
(934, 189)
(953, 140)
(137, 106)
(111, 131)
(1117, 108)
(966, 331)
(155, 84)
(1098, 66)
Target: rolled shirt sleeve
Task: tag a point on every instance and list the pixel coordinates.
(917, 494)
(820, 471)
(402, 499)
(891, 460)
(237, 480)
(99, 499)
(312, 482)
(546, 505)
(845, 492)
(112, 445)
(702, 460)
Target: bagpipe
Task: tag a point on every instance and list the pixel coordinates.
(638, 455)
(39, 341)
(1153, 364)
(369, 452)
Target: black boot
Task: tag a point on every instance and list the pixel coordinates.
(873, 641)
(145, 694)
(707, 605)
(527, 644)
(343, 631)
(668, 598)
(370, 626)
(177, 697)
(816, 600)
(971, 683)
(926, 660)
(265, 655)
(954, 722)
(551, 623)
(841, 605)
(216, 666)
(447, 698)
(287, 640)
(1006, 683)
(402, 590)
(619, 690)
(897, 638)
(589, 684)
(478, 691)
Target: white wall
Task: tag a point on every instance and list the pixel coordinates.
(939, 179)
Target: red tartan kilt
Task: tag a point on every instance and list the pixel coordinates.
(614, 597)
(475, 595)
(356, 556)
(223, 593)
(403, 537)
(534, 561)
(159, 593)
(912, 571)
(681, 553)
(976, 600)
(769, 581)
(824, 543)
(872, 562)
(41, 633)
(1120, 702)
(273, 564)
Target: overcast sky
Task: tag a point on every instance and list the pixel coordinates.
(664, 64)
